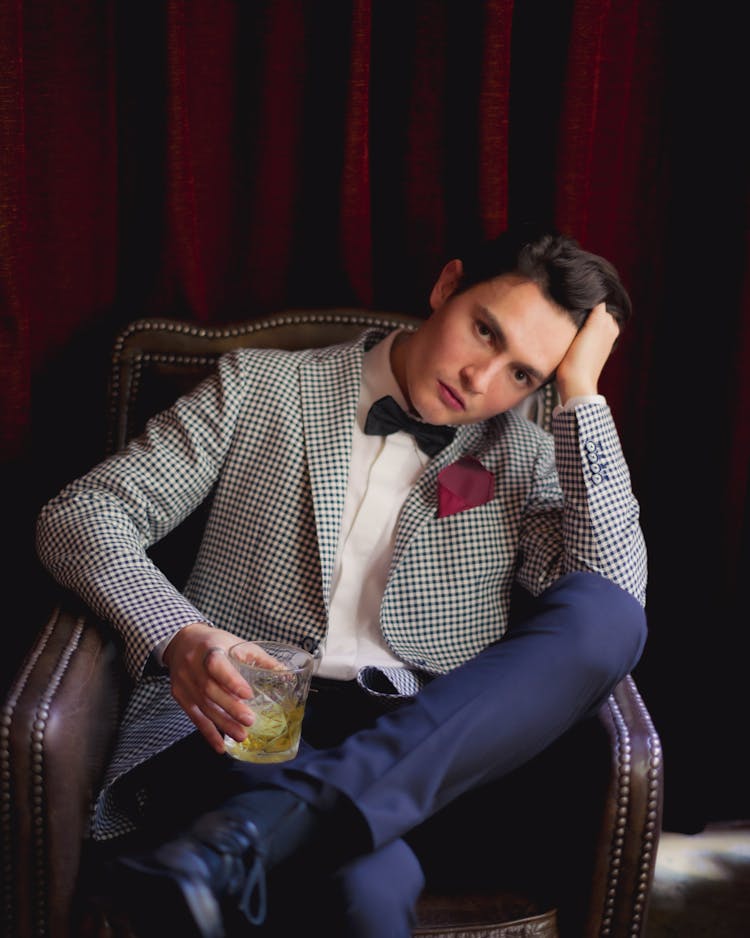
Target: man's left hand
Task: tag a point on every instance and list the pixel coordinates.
(578, 373)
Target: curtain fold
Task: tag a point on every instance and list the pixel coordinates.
(15, 355)
(606, 159)
(356, 207)
(494, 117)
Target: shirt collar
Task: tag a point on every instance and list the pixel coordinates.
(378, 379)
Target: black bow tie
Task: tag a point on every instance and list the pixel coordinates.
(385, 416)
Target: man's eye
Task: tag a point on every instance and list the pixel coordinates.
(521, 376)
(484, 330)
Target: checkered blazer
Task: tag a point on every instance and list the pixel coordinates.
(268, 438)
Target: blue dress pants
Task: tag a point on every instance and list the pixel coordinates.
(560, 659)
(557, 664)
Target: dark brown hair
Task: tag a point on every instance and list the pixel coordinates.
(571, 278)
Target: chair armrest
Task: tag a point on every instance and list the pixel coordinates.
(58, 726)
(598, 792)
(631, 822)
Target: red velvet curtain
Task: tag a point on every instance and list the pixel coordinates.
(219, 160)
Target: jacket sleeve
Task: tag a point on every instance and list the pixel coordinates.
(581, 513)
(94, 535)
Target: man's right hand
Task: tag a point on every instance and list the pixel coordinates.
(206, 685)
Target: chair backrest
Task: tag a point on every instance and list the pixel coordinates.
(154, 361)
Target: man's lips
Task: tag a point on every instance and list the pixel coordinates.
(449, 397)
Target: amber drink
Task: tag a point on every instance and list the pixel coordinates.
(278, 701)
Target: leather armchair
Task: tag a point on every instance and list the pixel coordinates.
(566, 846)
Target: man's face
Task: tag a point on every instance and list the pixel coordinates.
(482, 351)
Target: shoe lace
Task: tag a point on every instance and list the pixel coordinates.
(246, 881)
(253, 899)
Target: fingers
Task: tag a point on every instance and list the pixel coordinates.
(219, 692)
(216, 697)
(214, 728)
(209, 689)
(218, 668)
(207, 686)
(603, 322)
(215, 714)
(206, 728)
(213, 650)
(252, 654)
(579, 371)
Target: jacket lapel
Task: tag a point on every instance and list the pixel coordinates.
(329, 391)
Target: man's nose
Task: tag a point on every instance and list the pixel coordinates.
(479, 375)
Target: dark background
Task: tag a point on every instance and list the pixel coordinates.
(221, 160)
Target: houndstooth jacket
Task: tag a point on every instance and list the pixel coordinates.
(269, 437)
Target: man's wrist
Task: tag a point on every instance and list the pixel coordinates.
(161, 649)
(572, 402)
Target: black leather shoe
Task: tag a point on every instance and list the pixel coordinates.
(182, 887)
(219, 866)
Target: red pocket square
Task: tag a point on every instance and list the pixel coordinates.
(464, 484)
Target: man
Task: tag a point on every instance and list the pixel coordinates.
(369, 543)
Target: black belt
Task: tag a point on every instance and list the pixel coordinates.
(335, 709)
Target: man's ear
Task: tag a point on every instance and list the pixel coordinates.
(447, 283)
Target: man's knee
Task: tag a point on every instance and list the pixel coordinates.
(605, 625)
